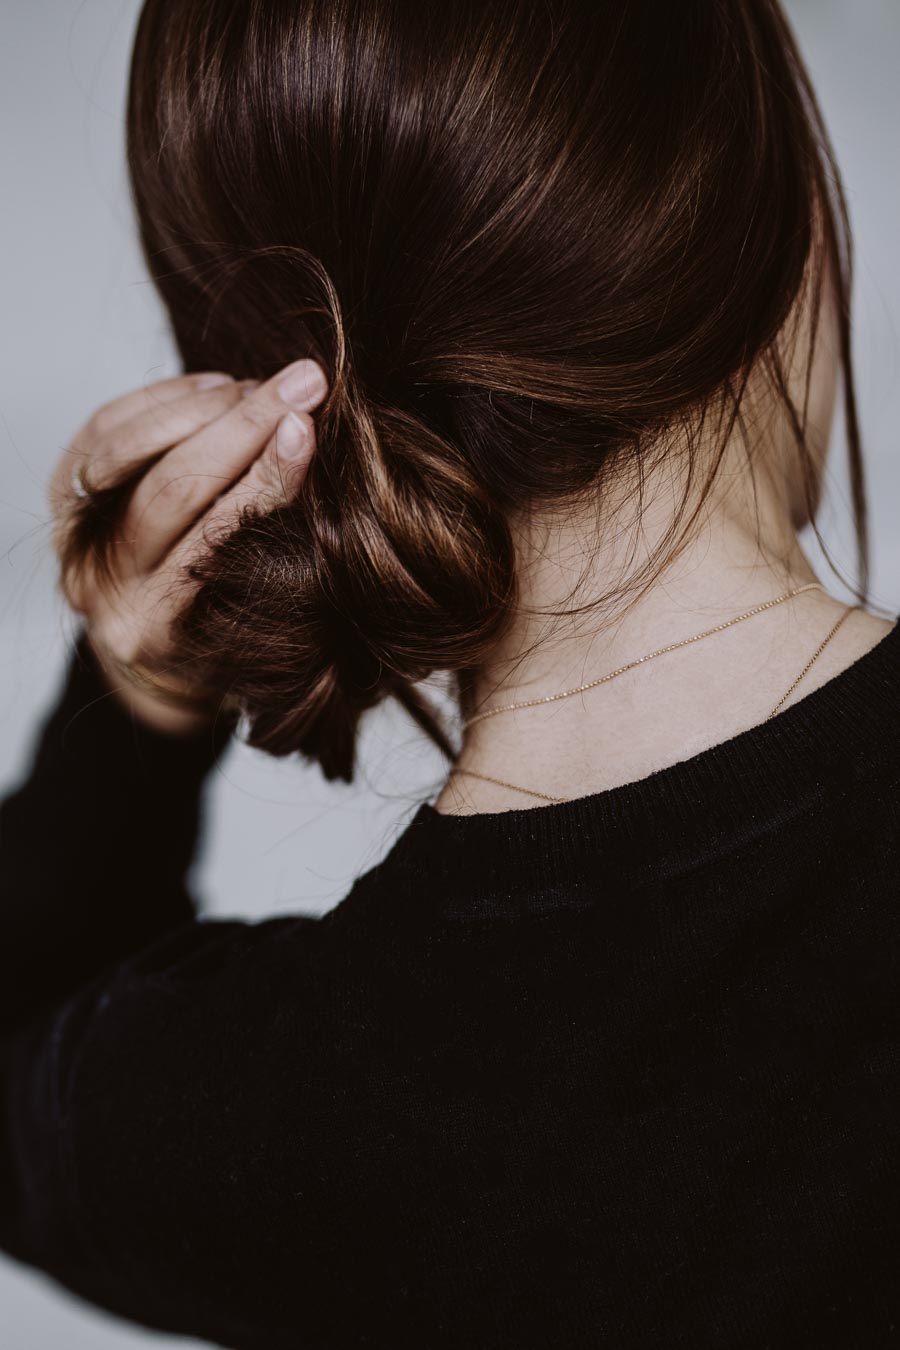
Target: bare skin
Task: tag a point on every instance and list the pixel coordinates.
(745, 550)
(224, 444)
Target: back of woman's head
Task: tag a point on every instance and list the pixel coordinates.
(525, 241)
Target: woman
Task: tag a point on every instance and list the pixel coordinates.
(511, 336)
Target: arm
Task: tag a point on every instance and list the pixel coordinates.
(95, 844)
(117, 1032)
(184, 1103)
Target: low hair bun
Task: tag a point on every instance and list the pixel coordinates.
(391, 563)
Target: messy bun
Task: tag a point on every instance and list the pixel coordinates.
(525, 242)
(394, 563)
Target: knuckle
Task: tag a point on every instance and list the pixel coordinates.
(159, 392)
(116, 450)
(219, 394)
(176, 492)
(165, 421)
(98, 424)
(166, 408)
(255, 414)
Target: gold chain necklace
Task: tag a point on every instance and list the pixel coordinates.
(621, 670)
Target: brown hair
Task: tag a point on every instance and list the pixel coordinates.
(526, 243)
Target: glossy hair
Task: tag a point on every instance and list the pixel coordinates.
(531, 246)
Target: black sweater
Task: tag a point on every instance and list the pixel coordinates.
(619, 1072)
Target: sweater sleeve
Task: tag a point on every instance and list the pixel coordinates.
(95, 845)
(186, 1103)
(96, 842)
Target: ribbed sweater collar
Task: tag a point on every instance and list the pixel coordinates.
(741, 788)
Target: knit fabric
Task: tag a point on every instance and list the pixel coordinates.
(618, 1072)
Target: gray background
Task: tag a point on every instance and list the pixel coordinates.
(81, 325)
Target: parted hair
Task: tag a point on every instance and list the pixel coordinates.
(527, 242)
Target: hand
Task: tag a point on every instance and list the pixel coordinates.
(212, 445)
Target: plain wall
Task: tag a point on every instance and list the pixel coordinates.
(81, 324)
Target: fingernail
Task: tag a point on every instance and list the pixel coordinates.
(291, 438)
(212, 381)
(303, 382)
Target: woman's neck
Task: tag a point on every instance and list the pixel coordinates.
(746, 552)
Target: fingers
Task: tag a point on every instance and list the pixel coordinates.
(140, 423)
(149, 398)
(177, 490)
(145, 435)
(273, 477)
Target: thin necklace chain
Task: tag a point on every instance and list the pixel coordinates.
(592, 684)
(673, 646)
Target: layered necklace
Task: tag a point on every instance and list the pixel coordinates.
(650, 656)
